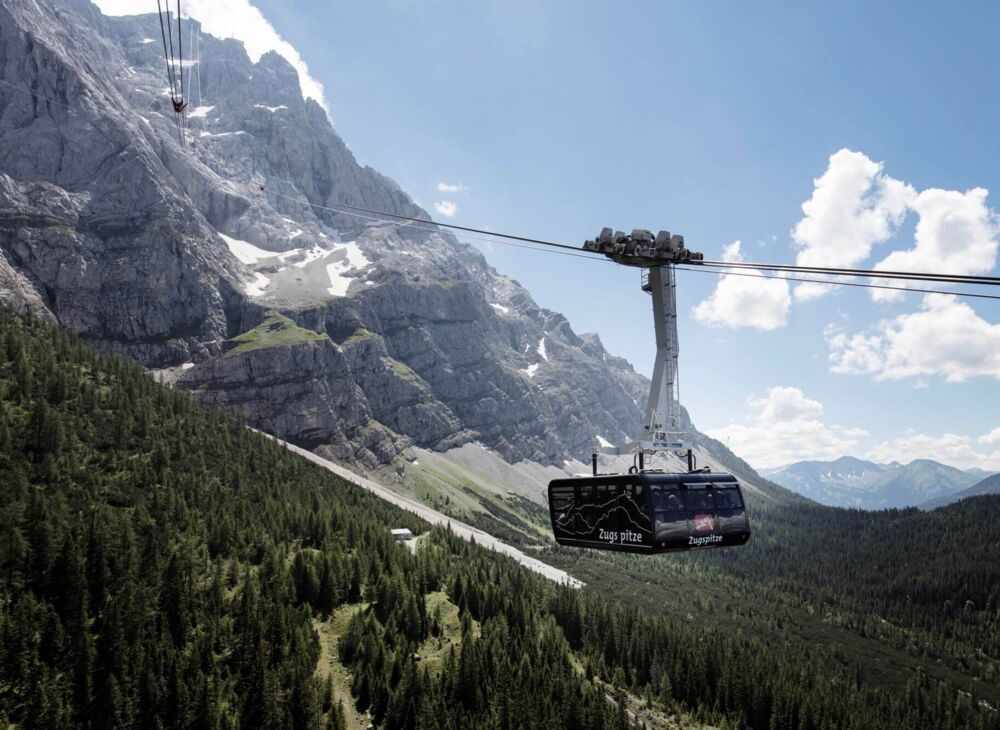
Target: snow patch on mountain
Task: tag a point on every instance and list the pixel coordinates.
(353, 259)
(256, 287)
(246, 252)
(203, 133)
(313, 254)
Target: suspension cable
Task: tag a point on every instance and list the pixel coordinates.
(452, 226)
(430, 226)
(867, 273)
(166, 53)
(346, 209)
(719, 272)
(175, 67)
(170, 38)
(180, 49)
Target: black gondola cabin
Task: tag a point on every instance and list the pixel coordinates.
(649, 512)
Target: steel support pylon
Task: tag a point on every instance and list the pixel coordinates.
(661, 428)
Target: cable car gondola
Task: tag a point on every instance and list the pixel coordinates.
(649, 512)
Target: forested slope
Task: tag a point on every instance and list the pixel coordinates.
(163, 566)
(903, 605)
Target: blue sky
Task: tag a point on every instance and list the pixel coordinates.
(711, 120)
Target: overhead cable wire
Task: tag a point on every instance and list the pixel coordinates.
(180, 49)
(491, 237)
(38, 96)
(451, 226)
(172, 72)
(173, 63)
(919, 276)
(71, 111)
(430, 227)
(180, 73)
(711, 266)
(867, 273)
(168, 52)
(718, 272)
(194, 67)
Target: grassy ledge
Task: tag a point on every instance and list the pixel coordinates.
(276, 330)
(359, 335)
(402, 369)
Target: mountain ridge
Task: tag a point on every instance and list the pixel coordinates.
(989, 485)
(852, 482)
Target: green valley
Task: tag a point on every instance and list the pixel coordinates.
(165, 566)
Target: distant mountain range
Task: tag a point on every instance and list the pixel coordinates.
(989, 485)
(852, 482)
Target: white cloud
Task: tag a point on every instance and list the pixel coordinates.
(446, 208)
(948, 448)
(786, 426)
(444, 187)
(957, 234)
(783, 404)
(991, 439)
(853, 207)
(238, 19)
(945, 338)
(745, 301)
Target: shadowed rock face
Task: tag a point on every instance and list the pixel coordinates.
(306, 389)
(90, 220)
(163, 251)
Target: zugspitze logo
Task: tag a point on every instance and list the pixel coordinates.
(704, 523)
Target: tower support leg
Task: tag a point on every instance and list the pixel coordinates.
(662, 421)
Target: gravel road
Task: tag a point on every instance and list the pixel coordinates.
(436, 518)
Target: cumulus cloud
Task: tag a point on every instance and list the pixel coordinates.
(945, 338)
(784, 404)
(446, 208)
(444, 187)
(948, 448)
(238, 19)
(853, 207)
(786, 426)
(991, 439)
(956, 234)
(742, 301)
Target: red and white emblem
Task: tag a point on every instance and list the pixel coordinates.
(704, 523)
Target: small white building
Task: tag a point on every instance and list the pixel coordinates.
(401, 533)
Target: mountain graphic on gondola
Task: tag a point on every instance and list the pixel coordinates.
(584, 519)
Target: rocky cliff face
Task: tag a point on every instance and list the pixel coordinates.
(165, 246)
(94, 231)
